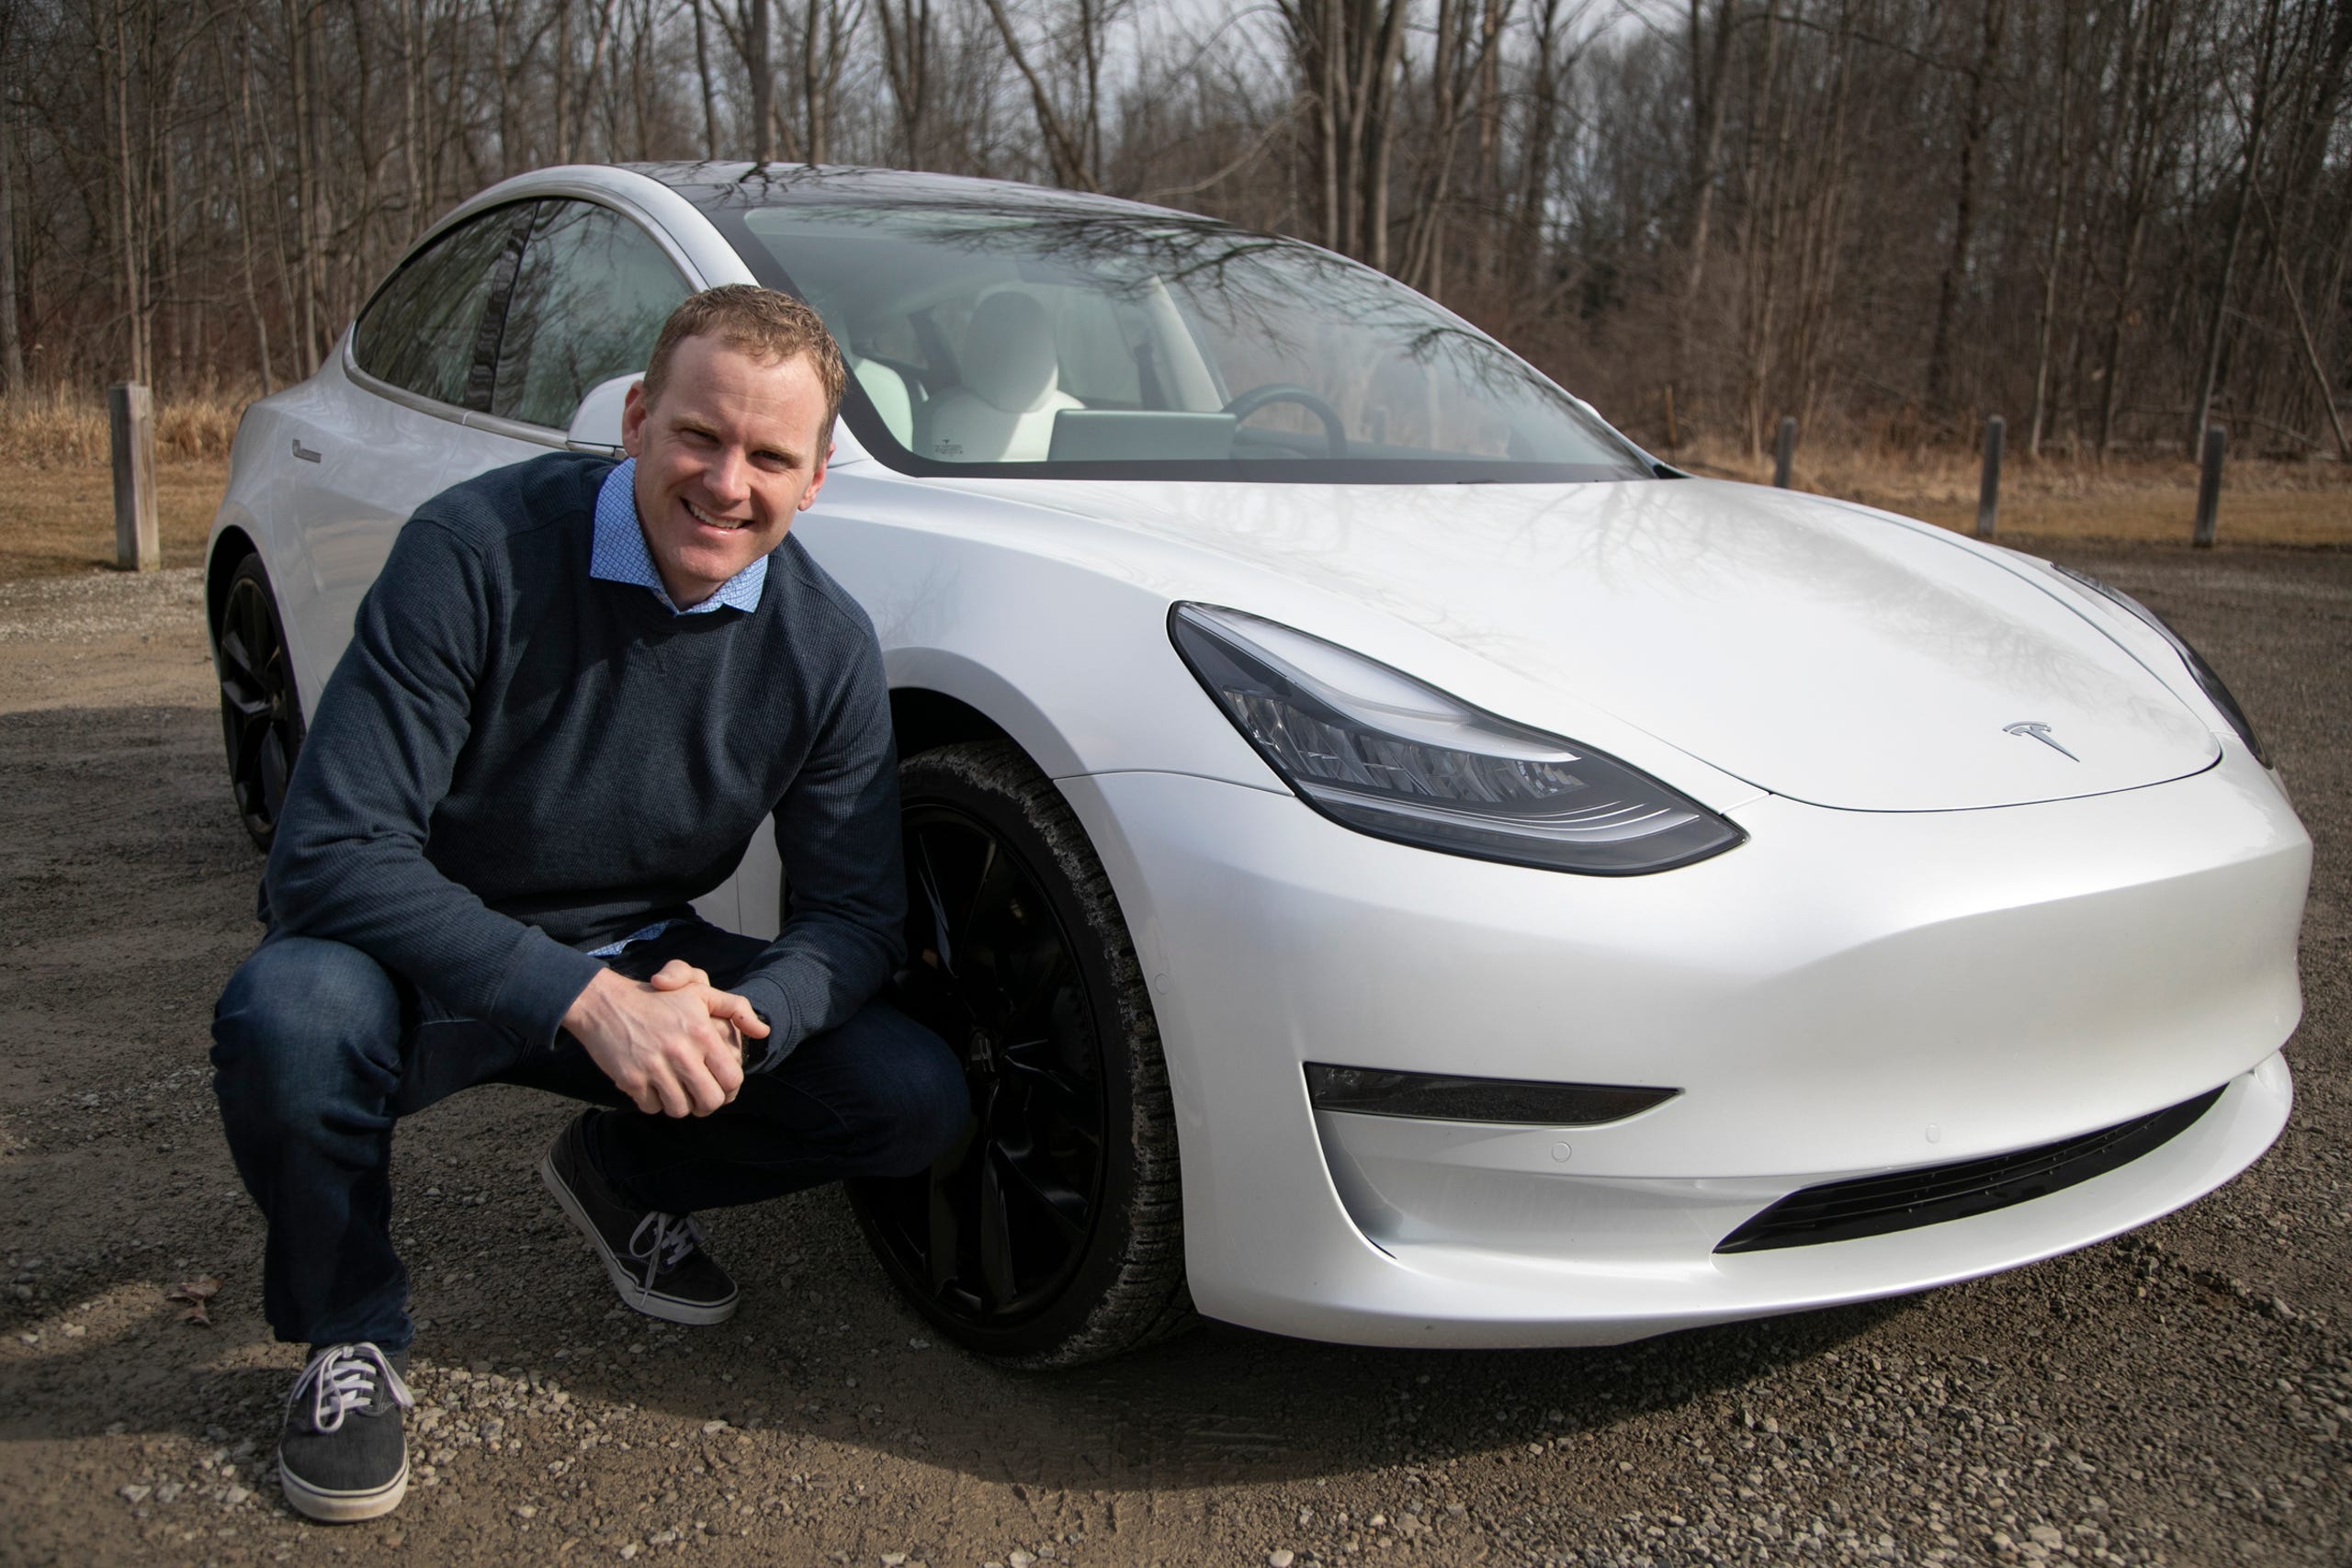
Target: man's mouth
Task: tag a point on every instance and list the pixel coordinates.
(708, 521)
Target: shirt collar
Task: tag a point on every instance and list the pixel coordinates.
(618, 554)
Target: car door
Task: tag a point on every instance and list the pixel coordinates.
(375, 437)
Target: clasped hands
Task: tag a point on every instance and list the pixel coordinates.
(672, 1043)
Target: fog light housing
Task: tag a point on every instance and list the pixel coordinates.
(1448, 1097)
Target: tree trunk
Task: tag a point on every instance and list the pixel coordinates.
(563, 130)
(1709, 66)
(2216, 333)
(1326, 91)
(241, 131)
(1377, 127)
(124, 202)
(906, 57)
(2054, 249)
(709, 93)
(1759, 240)
(1976, 121)
(1063, 151)
(813, 90)
(12, 348)
(755, 59)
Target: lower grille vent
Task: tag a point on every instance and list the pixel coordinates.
(1875, 1205)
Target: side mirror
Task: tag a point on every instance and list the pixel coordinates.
(596, 424)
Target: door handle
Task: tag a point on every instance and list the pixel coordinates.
(305, 454)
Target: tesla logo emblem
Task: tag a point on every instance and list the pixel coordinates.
(2040, 732)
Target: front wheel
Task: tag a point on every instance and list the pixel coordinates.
(1052, 1234)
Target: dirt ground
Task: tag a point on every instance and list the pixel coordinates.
(2182, 1396)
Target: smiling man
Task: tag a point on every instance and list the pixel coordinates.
(576, 690)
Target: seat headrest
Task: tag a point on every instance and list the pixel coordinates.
(1007, 355)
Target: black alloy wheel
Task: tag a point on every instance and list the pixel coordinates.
(1052, 1234)
(261, 717)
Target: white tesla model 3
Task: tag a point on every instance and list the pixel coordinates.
(1402, 865)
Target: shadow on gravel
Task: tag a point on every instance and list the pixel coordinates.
(1218, 1405)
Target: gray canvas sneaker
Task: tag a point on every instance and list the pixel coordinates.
(341, 1456)
(655, 1261)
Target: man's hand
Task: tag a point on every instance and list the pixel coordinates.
(674, 1044)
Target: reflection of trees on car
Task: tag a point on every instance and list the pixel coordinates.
(589, 299)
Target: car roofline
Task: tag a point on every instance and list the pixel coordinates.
(745, 185)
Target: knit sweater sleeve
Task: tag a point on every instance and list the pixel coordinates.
(837, 833)
(348, 862)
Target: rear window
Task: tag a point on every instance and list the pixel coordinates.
(422, 332)
(588, 302)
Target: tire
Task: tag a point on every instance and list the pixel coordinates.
(261, 714)
(1052, 1234)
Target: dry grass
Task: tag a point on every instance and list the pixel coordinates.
(58, 520)
(57, 488)
(2059, 499)
(57, 506)
(55, 430)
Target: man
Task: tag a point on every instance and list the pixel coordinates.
(570, 699)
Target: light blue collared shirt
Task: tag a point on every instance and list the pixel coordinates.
(617, 554)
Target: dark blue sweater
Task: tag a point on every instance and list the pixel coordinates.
(515, 762)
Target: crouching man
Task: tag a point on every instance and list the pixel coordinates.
(570, 700)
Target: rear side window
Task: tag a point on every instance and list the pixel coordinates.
(590, 299)
(421, 330)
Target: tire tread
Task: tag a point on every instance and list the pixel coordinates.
(1147, 1299)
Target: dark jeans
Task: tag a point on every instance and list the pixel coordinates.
(318, 1050)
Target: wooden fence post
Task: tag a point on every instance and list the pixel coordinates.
(1988, 491)
(130, 422)
(2208, 487)
(1785, 451)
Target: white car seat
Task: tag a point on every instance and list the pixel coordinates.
(1004, 410)
(886, 390)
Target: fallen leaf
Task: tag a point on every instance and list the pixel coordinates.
(198, 1316)
(198, 1291)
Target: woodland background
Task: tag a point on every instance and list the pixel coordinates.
(2111, 222)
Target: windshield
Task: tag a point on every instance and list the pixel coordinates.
(1076, 343)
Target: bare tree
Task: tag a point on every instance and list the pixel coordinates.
(2109, 218)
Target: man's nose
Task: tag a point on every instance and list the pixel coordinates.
(729, 476)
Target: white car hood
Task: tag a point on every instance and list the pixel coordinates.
(1812, 648)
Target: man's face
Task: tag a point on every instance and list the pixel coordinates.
(727, 458)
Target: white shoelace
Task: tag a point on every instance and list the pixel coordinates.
(674, 1237)
(343, 1378)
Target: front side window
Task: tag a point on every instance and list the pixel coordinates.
(421, 330)
(1108, 344)
(589, 301)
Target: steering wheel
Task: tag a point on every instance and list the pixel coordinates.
(1256, 398)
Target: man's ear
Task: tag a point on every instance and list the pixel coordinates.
(634, 409)
(817, 482)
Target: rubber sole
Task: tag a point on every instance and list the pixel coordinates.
(633, 1294)
(341, 1507)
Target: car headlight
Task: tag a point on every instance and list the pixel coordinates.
(2206, 680)
(1378, 752)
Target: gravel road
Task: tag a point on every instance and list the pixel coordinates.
(2183, 1395)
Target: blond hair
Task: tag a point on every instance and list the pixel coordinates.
(773, 327)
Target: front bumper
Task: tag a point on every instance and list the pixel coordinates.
(1846, 993)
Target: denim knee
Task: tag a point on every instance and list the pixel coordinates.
(927, 1099)
(304, 1025)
